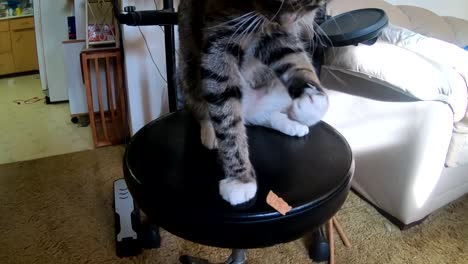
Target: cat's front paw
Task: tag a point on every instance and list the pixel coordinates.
(295, 129)
(207, 135)
(310, 107)
(237, 192)
(281, 122)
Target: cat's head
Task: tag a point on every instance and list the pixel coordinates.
(286, 11)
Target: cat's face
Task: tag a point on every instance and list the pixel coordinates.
(286, 11)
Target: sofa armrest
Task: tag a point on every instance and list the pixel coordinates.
(392, 67)
(399, 149)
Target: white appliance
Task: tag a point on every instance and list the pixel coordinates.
(50, 19)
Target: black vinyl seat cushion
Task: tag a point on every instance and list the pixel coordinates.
(174, 180)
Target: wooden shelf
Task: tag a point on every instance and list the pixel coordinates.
(96, 1)
(101, 42)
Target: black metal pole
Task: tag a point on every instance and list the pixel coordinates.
(169, 40)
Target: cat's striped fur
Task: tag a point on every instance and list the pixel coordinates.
(243, 62)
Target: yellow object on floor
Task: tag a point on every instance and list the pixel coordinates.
(30, 129)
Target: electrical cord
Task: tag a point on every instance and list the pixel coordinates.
(28, 101)
(151, 55)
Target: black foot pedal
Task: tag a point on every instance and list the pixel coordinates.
(127, 221)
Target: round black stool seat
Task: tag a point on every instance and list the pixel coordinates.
(174, 180)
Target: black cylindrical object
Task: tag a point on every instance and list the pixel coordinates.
(169, 41)
(148, 18)
(71, 27)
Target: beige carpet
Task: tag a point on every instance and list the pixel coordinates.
(59, 210)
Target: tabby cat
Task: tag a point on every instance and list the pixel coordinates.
(244, 62)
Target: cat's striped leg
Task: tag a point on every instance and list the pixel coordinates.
(221, 88)
(284, 53)
(310, 103)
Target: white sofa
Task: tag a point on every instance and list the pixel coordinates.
(402, 105)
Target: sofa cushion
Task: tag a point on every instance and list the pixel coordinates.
(431, 48)
(460, 29)
(457, 154)
(428, 23)
(396, 62)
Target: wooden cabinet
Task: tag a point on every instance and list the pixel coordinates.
(5, 42)
(24, 50)
(6, 57)
(17, 46)
(22, 23)
(4, 26)
(7, 65)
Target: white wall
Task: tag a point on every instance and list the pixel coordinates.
(146, 90)
(456, 8)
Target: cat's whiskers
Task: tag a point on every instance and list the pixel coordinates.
(257, 24)
(315, 35)
(277, 12)
(335, 76)
(294, 5)
(253, 16)
(310, 34)
(328, 42)
(251, 28)
(232, 20)
(263, 26)
(322, 42)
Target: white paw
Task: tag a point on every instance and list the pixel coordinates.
(295, 129)
(208, 136)
(237, 192)
(310, 107)
(282, 123)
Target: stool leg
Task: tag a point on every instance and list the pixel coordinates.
(149, 236)
(238, 256)
(341, 232)
(192, 260)
(319, 249)
(331, 241)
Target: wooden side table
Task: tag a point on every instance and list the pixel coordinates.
(109, 123)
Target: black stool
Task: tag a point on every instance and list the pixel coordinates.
(174, 181)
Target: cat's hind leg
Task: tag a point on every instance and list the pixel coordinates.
(207, 135)
(199, 109)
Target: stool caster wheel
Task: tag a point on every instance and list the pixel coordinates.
(149, 236)
(319, 250)
(192, 260)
